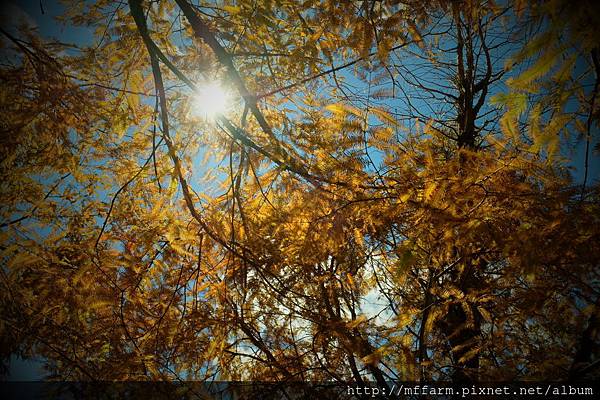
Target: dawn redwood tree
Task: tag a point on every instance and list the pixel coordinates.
(386, 197)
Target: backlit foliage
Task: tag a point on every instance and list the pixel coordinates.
(389, 197)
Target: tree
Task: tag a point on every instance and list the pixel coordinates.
(389, 199)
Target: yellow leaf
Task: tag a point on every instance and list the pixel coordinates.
(384, 116)
(373, 358)
(335, 108)
(354, 323)
(485, 314)
(232, 9)
(429, 189)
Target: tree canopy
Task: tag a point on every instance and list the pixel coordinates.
(395, 191)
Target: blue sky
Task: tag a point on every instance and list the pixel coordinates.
(14, 13)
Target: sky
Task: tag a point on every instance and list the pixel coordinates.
(41, 14)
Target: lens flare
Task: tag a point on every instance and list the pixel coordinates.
(211, 100)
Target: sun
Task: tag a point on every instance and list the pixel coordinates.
(211, 100)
